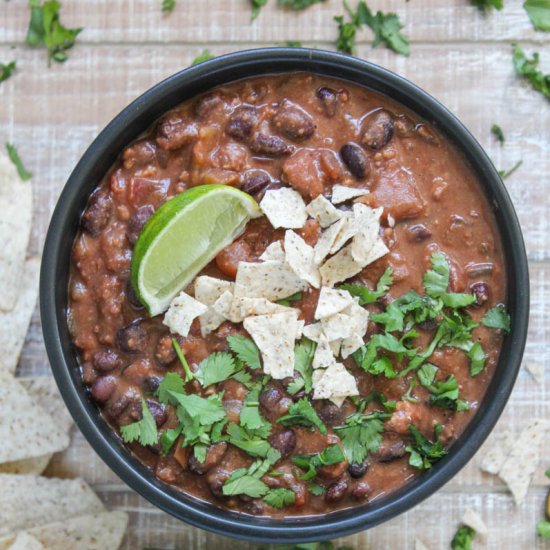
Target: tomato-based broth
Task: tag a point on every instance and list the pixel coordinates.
(393, 311)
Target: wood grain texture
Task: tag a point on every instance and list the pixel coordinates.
(460, 56)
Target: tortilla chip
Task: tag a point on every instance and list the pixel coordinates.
(348, 229)
(207, 291)
(323, 211)
(314, 332)
(274, 252)
(323, 356)
(26, 429)
(300, 257)
(102, 531)
(536, 370)
(28, 501)
(284, 208)
(326, 240)
(496, 456)
(336, 326)
(473, 519)
(34, 466)
(335, 381)
(15, 230)
(275, 336)
(332, 301)
(300, 329)
(182, 312)
(14, 324)
(222, 306)
(248, 307)
(24, 541)
(367, 246)
(342, 193)
(335, 346)
(523, 458)
(339, 268)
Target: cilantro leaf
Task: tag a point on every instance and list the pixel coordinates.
(443, 393)
(245, 485)
(168, 438)
(292, 298)
(423, 453)
(250, 417)
(6, 70)
(303, 414)
(298, 4)
(506, 173)
(477, 359)
(205, 55)
(361, 435)
(246, 350)
(172, 382)
(205, 411)
(248, 441)
(312, 462)
(496, 130)
(539, 13)
(457, 300)
(316, 489)
(188, 372)
(528, 68)
(486, 5)
(463, 539)
(24, 174)
(144, 431)
(217, 367)
(543, 529)
(436, 279)
(279, 498)
(497, 317)
(303, 358)
(168, 5)
(345, 42)
(46, 28)
(365, 294)
(257, 5)
(378, 397)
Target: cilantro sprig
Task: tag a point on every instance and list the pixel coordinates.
(497, 318)
(168, 5)
(310, 463)
(463, 538)
(144, 431)
(217, 367)
(423, 453)
(497, 131)
(528, 68)
(539, 13)
(303, 414)
(365, 294)
(443, 393)
(486, 5)
(246, 350)
(280, 498)
(361, 435)
(24, 174)
(205, 55)
(303, 358)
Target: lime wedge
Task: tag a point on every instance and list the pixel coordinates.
(184, 235)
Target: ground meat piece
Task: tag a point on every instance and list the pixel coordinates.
(132, 338)
(103, 388)
(137, 371)
(175, 130)
(355, 159)
(410, 413)
(137, 221)
(229, 258)
(270, 146)
(208, 103)
(284, 441)
(214, 455)
(377, 130)
(293, 122)
(107, 360)
(242, 122)
(97, 214)
(138, 154)
(337, 491)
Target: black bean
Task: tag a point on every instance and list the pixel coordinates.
(378, 130)
(115, 409)
(214, 455)
(481, 292)
(330, 414)
(241, 122)
(329, 100)
(97, 214)
(355, 159)
(361, 491)
(419, 232)
(428, 324)
(390, 450)
(337, 491)
(151, 383)
(132, 338)
(284, 442)
(255, 183)
(138, 219)
(270, 397)
(174, 131)
(477, 269)
(216, 479)
(253, 506)
(103, 388)
(358, 470)
(158, 411)
(107, 360)
(271, 146)
(131, 296)
(293, 122)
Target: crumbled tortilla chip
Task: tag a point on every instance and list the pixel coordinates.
(181, 313)
(28, 501)
(207, 291)
(274, 252)
(222, 306)
(496, 455)
(332, 301)
(419, 545)
(367, 246)
(35, 465)
(15, 230)
(335, 346)
(24, 420)
(323, 211)
(523, 458)
(336, 326)
(536, 370)
(314, 332)
(348, 230)
(247, 307)
(342, 193)
(24, 541)
(300, 257)
(300, 329)
(335, 382)
(326, 240)
(275, 336)
(473, 519)
(323, 356)
(284, 208)
(340, 267)
(14, 324)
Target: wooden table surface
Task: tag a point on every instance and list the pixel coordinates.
(460, 56)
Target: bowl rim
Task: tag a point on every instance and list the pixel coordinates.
(54, 321)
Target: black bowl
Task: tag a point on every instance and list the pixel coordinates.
(55, 272)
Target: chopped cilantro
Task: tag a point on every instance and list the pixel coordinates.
(24, 174)
(303, 358)
(407, 396)
(316, 489)
(463, 538)
(298, 4)
(423, 453)
(497, 317)
(171, 383)
(361, 435)
(345, 42)
(168, 438)
(366, 356)
(257, 5)
(250, 417)
(528, 68)
(378, 397)
(443, 393)
(217, 367)
(296, 297)
(280, 498)
(144, 431)
(168, 5)
(246, 350)
(205, 55)
(188, 372)
(312, 462)
(506, 173)
(303, 414)
(543, 529)
(368, 296)
(253, 442)
(539, 13)
(205, 411)
(45, 28)
(6, 70)
(477, 359)
(245, 485)
(496, 130)
(486, 5)
(436, 279)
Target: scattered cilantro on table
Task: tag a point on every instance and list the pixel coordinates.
(205, 55)
(144, 431)
(310, 463)
(45, 28)
(486, 5)
(257, 5)
(303, 414)
(543, 529)
(539, 13)
(423, 453)
(298, 4)
(528, 68)
(24, 174)
(168, 5)
(496, 130)
(293, 44)
(7, 70)
(365, 294)
(506, 173)
(463, 539)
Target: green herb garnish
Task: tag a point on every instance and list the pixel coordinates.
(168, 5)
(257, 5)
(423, 453)
(217, 367)
(496, 130)
(188, 372)
(6, 70)
(303, 358)
(24, 174)
(293, 44)
(528, 68)
(298, 4)
(543, 529)
(246, 350)
(303, 414)
(144, 431)
(539, 13)
(463, 539)
(506, 173)
(280, 498)
(361, 435)
(250, 417)
(312, 462)
(486, 5)
(443, 393)
(368, 296)
(498, 318)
